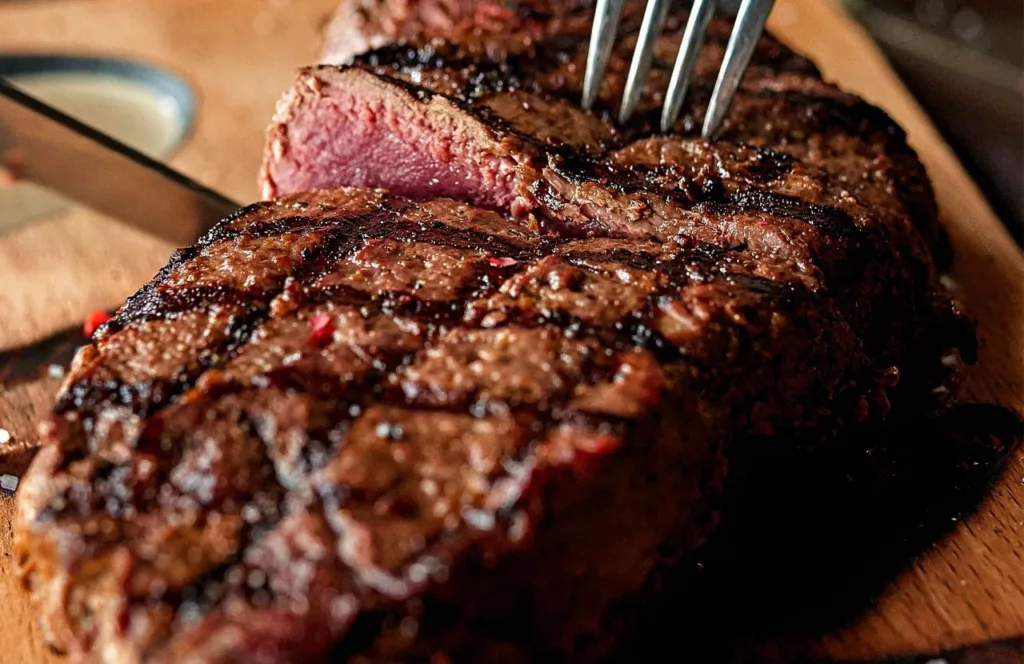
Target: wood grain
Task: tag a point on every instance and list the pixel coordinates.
(970, 587)
(239, 55)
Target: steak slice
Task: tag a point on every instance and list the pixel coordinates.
(350, 426)
(829, 183)
(562, 30)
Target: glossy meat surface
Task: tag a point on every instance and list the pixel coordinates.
(350, 424)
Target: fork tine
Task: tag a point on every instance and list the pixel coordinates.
(602, 38)
(654, 21)
(693, 38)
(749, 25)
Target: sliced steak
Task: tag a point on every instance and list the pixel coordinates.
(869, 165)
(346, 426)
(829, 183)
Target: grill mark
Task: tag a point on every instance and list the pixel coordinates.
(275, 227)
(440, 234)
(240, 213)
(830, 115)
(478, 75)
(387, 208)
(634, 330)
(483, 76)
(706, 265)
(378, 224)
(543, 415)
(177, 259)
(339, 243)
(210, 587)
(697, 193)
(169, 302)
(147, 397)
(205, 590)
(827, 218)
(88, 395)
(676, 265)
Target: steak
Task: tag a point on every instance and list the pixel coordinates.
(828, 183)
(467, 384)
(350, 425)
(484, 60)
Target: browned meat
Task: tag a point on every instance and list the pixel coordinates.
(854, 142)
(359, 25)
(348, 425)
(827, 183)
(473, 418)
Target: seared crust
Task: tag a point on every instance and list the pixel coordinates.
(826, 182)
(218, 484)
(372, 426)
(360, 25)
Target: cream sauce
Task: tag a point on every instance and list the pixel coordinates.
(130, 111)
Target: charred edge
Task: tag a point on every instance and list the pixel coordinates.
(699, 193)
(209, 236)
(166, 303)
(521, 70)
(274, 227)
(482, 76)
(384, 222)
(703, 265)
(177, 259)
(328, 218)
(147, 397)
(681, 267)
(769, 164)
(829, 219)
(440, 234)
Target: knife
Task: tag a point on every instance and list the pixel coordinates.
(41, 144)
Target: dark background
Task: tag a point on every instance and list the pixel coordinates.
(964, 61)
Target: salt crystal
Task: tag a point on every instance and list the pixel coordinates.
(8, 483)
(5, 436)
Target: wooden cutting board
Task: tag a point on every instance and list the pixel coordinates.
(240, 54)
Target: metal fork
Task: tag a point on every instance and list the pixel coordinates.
(750, 22)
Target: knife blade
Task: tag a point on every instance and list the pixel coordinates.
(41, 144)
